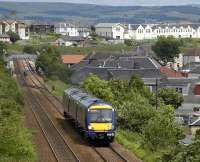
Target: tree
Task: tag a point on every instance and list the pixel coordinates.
(3, 48)
(30, 49)
(97, 87)
(171, 97)
(162, 131)
(14, 37)
(167, 48)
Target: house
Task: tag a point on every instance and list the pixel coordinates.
(191, 55)
(41, 27)
(16, 27)
(66, 29)
(70, 41)
(4, 38)
(153, 31)
(180, 84)
(121, 66)
(84, 32)
(110, 30)
(70, 60)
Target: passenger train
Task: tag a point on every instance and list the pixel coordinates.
(94, 116)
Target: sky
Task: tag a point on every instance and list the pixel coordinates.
(121, 2)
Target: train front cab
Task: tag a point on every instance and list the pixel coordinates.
(101, 122)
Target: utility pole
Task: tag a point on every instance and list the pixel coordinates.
(156, 93)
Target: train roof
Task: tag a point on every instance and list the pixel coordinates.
(82, 97)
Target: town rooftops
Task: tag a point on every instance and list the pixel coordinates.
(72, 59)
(192, 52)
(106, 25)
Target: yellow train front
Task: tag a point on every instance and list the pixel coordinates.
(93, 116)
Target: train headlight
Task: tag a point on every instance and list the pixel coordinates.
(89, 127)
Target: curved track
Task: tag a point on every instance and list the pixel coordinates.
(55, 139)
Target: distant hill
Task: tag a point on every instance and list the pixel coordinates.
(85, 13)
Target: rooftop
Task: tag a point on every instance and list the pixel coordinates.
(72, 59)
(106, 25)
(192, 52)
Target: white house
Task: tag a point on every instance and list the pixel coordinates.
(66, 29)
(110, 30)
(84, 32)
(70, 41)
(14, 26)
(152, 31)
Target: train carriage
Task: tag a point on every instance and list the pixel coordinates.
(94, 116)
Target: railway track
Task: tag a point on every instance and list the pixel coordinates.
(61, 150)
(107, 154)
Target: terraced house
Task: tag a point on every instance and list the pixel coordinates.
(14, 26)
(152, 31)
(147, 31)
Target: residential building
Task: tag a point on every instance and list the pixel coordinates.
(66, 29)
(110, 30)
(14, 26)
(4, 38)
(41, 27)
(71, 41)
(84, 31)
(191, 55)
(152, 31)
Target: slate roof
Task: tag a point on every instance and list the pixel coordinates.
(128, 61)
(196, 70)
(191, 65)
(195, 122)
(192, 52)
(134, 26)
(177, 81)
(126, 74)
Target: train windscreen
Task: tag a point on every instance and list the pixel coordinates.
(100, 115)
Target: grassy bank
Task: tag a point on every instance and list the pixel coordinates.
(57, 87)
(133, 142)
(15, 139)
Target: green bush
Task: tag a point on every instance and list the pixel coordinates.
(15, 139)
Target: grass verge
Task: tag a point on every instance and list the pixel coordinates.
(132, 141)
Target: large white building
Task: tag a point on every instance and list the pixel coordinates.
(152, 31)
(147, 31)
(66, 29)
(14, 26)
(110, 30)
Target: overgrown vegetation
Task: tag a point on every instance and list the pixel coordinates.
(50, 63)
(156, 130)
(15, 139)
